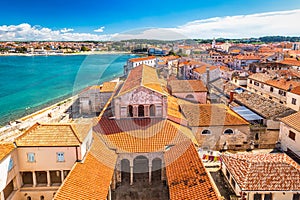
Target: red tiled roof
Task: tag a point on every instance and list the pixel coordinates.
(283, 83)
(211, 115)
(5, 149)
(91, 178)
(141, 135)
(142, 75)
(186, 174)
(142, 59)
(293, 120)
(263, 172)
(187, 86)
(296, 90)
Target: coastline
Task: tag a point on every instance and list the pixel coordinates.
(68, 54)
(46, 114)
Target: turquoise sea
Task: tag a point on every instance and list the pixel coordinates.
(29, 83)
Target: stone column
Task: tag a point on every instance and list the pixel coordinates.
(150, 172)
(113, 184)
(62, 176)
(109, 193)
(131, 175)
(162, 171)
(135, 110)
(48, 179)
(146, 110)
(34, 179)
(2, 195)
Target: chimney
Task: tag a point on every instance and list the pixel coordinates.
(231, 96)
(207, 76)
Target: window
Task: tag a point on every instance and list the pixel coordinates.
(296, 196)
(257, 197)
(152, 110)
(206, 132)
(227, 174)
(262, 85)
(10, 164)
(60, 157)
(271, 89)
(228, 131)
(130, 111)
(42, 197)
(250, 81)
(294, 101)
(292, 135)
(268, 196)
(256, 83)
(30, 157)
(141, 111)
(233, 183)
(282, 93)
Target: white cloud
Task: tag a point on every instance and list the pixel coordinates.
(25, 32)
(240, 26)
(66, 30)
(99, 30)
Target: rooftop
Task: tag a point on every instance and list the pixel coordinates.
(264, 172)
(54, 135)
(211, 115)
(141, 135)
(292, 120)
(145, 76)
(142, 59)
(6, 149)
(108, 87)
(91, 178)
(184, 86)
(283, 83)
(186, 174)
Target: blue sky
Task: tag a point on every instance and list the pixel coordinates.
(118, 16)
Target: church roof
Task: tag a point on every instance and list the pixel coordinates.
(186, 174)
(145, 76)
(141, 135)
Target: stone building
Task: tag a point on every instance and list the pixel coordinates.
(262, 176)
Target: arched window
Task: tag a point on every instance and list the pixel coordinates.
(141, 111)
(29, 198)
(189, 96)
(228, 131)
(152, 110)
(130, 111)
(206, 132)
(42, 197)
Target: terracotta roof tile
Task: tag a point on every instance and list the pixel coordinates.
(264, 172)
(283, 83)
(296, 90)
(186, 174)
(293, 120)
(5, 149)
(211, 115)
(108, 87)
(142, 59)
(90, 179)
(141, 135)
(53, 135)
(187, 86)
(291, 61)
(202, 69)
(246, 57)
(143, 75)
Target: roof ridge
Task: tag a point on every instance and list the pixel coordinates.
(33, 127)
(75, 132)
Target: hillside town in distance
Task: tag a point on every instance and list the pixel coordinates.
(187, 120)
